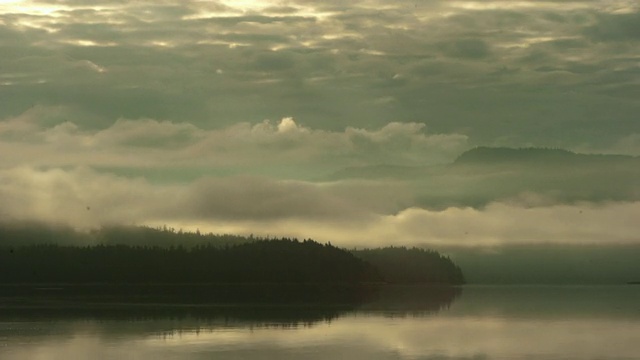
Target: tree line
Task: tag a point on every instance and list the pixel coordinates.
(124, 255)
(265, 261)
(412, 265)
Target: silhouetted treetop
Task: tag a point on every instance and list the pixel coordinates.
(266, 261)
(120, 254)
(32, 233)
(412, 265)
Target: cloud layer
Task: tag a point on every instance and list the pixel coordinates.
(355, 212)
(537, 73)
(156, 112)
(243, 146)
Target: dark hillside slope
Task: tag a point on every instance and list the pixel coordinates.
(538, 156)
(401, 265)
(267, 261)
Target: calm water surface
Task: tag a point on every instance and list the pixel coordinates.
(505, 322)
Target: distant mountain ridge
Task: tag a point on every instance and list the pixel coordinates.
(484, 175)
(487, 155)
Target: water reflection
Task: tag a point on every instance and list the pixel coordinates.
(408, 300)
(550, 302)
(78, 324)
(243, 305)
(479, 323)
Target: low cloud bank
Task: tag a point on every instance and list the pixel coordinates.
(349, 213)
(149, 143)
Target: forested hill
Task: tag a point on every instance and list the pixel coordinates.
(45, 254)
(412, 265)
(265, 261)
(540, 156)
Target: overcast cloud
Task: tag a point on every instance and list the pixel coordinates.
(242, 116)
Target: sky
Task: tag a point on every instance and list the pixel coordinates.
(251, 117)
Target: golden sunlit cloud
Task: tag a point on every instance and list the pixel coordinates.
(247, 5)
(27, 8)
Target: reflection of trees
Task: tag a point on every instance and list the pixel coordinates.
(188, 306)
(415, 300)
(219, 306)
(178, 317)
(255, 304)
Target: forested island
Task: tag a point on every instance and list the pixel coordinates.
(261, 261)
(142, 255)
